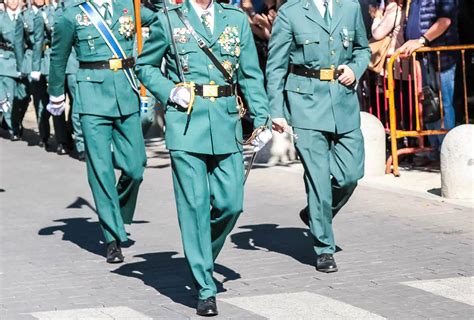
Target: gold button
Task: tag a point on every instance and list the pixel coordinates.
(212, 99)
(333, 52)
(298, 89)
(89, 37)
(333, 66)
(210, 66)
(331, 38)
(183, 50)
(88, 78)
(307, 41)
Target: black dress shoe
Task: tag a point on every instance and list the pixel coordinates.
(14, 137)
(61, 150)
(326, 263)
(114, 253)
(207, 307)
(81, 156)
(304, 216)
(43, 145)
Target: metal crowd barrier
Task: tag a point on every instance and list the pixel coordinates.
(416, 128)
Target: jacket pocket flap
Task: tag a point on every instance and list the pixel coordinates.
(87, 36)
(90, 76)
(306, 38)
(299, 85)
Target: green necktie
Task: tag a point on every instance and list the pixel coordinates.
(205, 19)
(327, 15)
(106, 15)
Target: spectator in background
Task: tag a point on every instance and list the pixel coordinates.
(434, 23)
(388, 20)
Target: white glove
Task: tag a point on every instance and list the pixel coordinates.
(56, 109)
(4, 105)
(35, 75)
(181, 96)
(261, 140)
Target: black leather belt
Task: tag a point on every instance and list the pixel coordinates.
(321, 74)
(5, 46)
(214, 90)
(112, 64)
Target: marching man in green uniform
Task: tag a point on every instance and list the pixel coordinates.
(11, 57)
(203, 124)
(107, 103)
(317, 53)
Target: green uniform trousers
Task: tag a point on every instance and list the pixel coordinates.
(73, 116)
(333, 164)
(209, 198)
(7, 92)
(115, 202)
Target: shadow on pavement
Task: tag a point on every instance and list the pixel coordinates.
(170, 275)
(83, 232)
(293, 242)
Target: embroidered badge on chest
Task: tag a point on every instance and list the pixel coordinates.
(83, 20)
(181, 35)
(127, 26)
(229, 40)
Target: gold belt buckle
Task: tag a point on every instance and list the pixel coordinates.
(115, 64)
(326, 74)
(210, 90)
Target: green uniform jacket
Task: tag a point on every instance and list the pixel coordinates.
(300, 36)
(214, 126)
(100, 92)
(11, 35)
(34, 35)
(72, 63)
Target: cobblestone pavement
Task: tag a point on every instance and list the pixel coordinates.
(403, 256)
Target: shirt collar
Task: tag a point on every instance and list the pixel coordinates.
(11, 13)
(199, 11)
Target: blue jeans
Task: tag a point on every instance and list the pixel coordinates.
(447, 91)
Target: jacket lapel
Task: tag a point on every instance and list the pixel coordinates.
(194, 20)
(117, 12)
(337, 13)
(313, 14)
(219, 23)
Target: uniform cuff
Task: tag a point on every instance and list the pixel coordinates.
(60, 98)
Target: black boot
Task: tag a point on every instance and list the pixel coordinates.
(207, 307)
(326, 263)
(304, 216)
(114, 253)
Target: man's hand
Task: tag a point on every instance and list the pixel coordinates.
(261, 26)
(261, 140)
(56, 108)
(35, 75)
(347, 77)
(280, 125)
(409, 47)
(181, 96)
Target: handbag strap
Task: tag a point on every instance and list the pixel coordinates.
(202, 45)
(394, 22)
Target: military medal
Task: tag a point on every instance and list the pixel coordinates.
(229, 40)
(345, 37)
(185, 63)
(228, 66)
(127, 27)
(83, 20)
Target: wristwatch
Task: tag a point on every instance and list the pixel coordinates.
(422, 40)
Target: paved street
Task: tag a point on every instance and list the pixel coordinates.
(403, 256)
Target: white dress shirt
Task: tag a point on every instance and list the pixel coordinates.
(200, 11)
(13, 14)
(322, 8)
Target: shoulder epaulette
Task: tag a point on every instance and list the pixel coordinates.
(231, 7)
